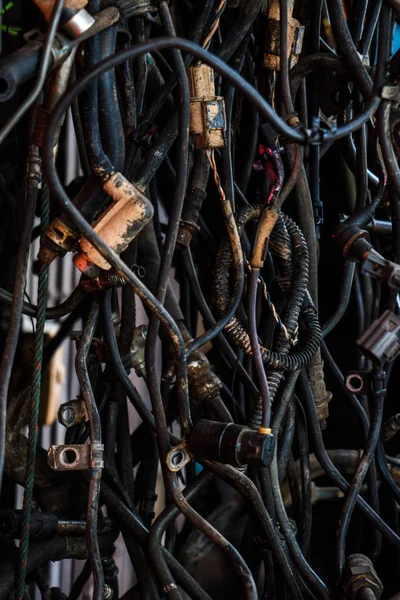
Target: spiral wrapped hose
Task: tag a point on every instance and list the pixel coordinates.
(278, 360)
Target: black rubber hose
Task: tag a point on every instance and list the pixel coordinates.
(309, 64)
(280, 126)
(302, 565)
(209, 319)
(348, 49)
(388, 153)
(54, 312)
(305, 479)
(111, 127)
(344, 298)
(370, 26)
(246, 15)
(385, 473)
(361, 471)
(330, 469)
(82, 373)
(172, 233)
(99, 162)
(248, 490)
(39, 554)
(252, 289)
(135, 525)
(14, 324)
(286, 442)
(123, 377)
(161, 524)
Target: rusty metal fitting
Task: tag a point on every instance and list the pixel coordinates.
(187, 229)
(351, 245)
(391, 427)
(204, 385)
(293, 120)
(72, 412)
(321, 395)
(34, 171)
(57, 239)
(41, 120)
(207, 111)
(358, 382)
(178, 457)
(45, 526)
(75, 20)
(395, 473)
(359, 574)
(78, 23)
(264, 430)
(108, 594)
(76, 457)
(322, 408)
(103, 281)
(119, 224)
(230, 444)
(377, 267)
(137, 351)
(272, 43)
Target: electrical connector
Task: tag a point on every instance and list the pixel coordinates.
(103, 281)
(353, 242)
(376, 266)
(231, 444)
(272, 42)
(381, 341)
(207, 111)
(118, 225)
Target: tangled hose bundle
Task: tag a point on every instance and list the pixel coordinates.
(213, 180)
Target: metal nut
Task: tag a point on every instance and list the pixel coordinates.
(360, 573)
(71, 413)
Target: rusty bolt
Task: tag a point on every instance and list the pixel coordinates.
(359, 574)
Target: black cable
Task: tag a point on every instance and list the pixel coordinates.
(331, 471)
(96, 442)
(378, 395)
(344, 298)
(45, 62)
(299, 137)
(10, 348)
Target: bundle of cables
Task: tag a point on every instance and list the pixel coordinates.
(234, 221)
